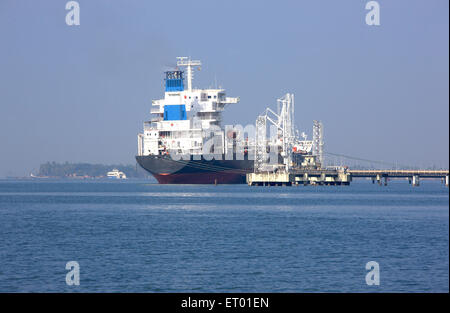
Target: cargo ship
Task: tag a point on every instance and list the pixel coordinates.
(183, 142)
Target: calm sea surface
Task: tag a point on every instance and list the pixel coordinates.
(137, 236)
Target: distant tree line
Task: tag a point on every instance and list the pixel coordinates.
(67, 169)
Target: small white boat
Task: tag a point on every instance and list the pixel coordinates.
(115, 173)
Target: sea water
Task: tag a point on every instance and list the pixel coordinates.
(138, 236)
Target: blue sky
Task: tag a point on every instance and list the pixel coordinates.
(81, 93)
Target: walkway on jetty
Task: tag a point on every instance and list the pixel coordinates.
(340, 176)
(413, 175)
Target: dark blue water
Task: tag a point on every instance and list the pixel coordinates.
(135, 236)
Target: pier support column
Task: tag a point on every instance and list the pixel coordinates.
(415, 180)
(446, 180)
(385, 180)
(323, 178)
(373, 180)
(379, 179)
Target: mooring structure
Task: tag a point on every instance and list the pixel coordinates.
(282, 159)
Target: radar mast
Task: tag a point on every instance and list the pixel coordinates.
(185, 61)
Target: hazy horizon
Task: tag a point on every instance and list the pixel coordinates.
(81, 93)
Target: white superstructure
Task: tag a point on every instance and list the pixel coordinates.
(183, 115)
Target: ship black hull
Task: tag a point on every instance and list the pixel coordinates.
(169, 171)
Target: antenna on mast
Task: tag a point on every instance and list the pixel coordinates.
(185, 61)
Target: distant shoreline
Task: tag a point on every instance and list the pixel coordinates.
(39, 178)
(85, 171)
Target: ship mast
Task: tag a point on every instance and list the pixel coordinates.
(185, 61)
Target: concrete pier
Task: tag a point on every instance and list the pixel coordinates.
(300, 177)
(340, 176)
(269, 179)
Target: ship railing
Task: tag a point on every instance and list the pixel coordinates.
(229, 100)
(150, 125)
(156, 119)
(335, 167)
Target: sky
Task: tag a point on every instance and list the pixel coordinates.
(81, 93)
